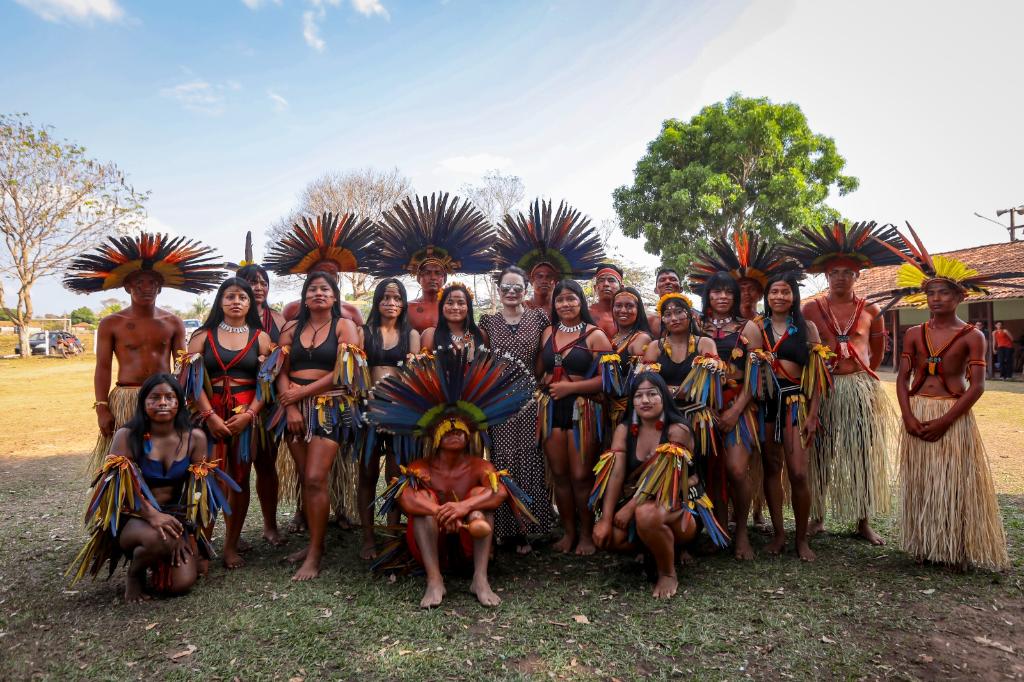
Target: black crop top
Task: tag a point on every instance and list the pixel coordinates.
(270, 325)
(671, 371)
(381, 357)
(240, 364)
(791, 348)
(578, 360)
(323, 356)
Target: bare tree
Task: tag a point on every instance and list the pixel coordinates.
(634, 274)
(54, 202)
(367, 192)
(496, 195)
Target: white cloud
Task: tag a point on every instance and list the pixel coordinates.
(475, 164)
(200, 95)
(280, 103)
(310, 30)
(75, 10)
(368, 8)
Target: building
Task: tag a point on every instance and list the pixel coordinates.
(1002, 304)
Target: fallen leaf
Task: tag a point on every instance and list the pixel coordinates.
(928, 591)
(188, 651)
(151, 626)
(404, 652)
(325, 613)
(985, 641)
(583, 620)
(296, 679)
(573, 663)
(925, 658)
(827, 640)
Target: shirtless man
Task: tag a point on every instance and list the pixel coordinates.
(145, 340)
(452, 496)
(543, 279)
(431, 276)
(941, 448)
(666, 281)
(855, 331)
(607, 283)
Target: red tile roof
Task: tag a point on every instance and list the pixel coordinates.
(1002, 257)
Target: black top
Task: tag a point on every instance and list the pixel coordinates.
(791, 348)
(155, 477)
(245, 367)
(671, 371)
(270, 325)
(382, 357)
(321, 357)
(577, 359)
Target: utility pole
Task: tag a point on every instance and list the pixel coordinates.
(1018, 210)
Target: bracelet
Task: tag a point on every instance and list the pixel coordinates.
(100, 402)
(249, 411)
(203, 416)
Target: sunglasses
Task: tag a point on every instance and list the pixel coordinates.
(512, 288)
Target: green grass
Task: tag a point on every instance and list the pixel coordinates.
(844, 616)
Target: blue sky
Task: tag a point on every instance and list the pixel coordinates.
(225, 110)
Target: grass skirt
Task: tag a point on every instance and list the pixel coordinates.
(849, 462)
(949, 510)
(122, 403)
(342, 483)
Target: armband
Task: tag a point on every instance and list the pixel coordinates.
(977, 363)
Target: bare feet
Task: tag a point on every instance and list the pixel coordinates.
(565, 544)
(202, 566)
(686, 559)
(742, 548)
(776, 546)
(232, 560)
(805, 552)
(865, 530)
(484, 594)
(297, 524)
(816, 526)
(369, 549)
(272, 536)
(342, 521)
(309, 569)
(665, 587)
(433, 595)
(585, 547)
(296, 557)
(133, 593)
(524, 548)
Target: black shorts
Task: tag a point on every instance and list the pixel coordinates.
(774, 408)
(561, 412)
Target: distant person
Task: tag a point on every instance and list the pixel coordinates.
(1003, 344)
(142, 337)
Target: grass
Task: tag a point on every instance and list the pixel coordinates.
(860, 611)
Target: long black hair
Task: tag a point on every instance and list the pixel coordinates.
(721, 280)
(303, 318)
(641, 324)
(573, 286)
(139, 425)
(442, 334)
(695, 331)
(671, 413)
(796, 317)
(371, 330)
(216, 315)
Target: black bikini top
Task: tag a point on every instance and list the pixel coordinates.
(322, 357)
(576, 357)
(790, 348)
(671, 371)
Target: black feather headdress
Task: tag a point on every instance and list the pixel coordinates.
(744, 256)
(344, 240)
(861, 245)
(562, 239)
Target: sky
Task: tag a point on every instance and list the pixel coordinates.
(226, 110)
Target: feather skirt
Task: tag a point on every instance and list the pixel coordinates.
(949, 511)
(849, 466)
(122, 403)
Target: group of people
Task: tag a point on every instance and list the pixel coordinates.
(635, 430)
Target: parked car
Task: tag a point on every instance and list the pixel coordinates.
(191, 325)
(60, 343)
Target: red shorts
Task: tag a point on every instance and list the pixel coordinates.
(465, 547)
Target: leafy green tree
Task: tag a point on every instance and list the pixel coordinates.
(745, 163)
(83, 314)
(199, 308)
(110, 306)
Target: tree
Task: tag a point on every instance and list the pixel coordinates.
(745, 163)
(54, 203)
(83, 314)
(199, 309)
(110, 306)
(366, 192)
(496, 196)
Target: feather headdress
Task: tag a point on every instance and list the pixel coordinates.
(437, 229)
(743, 256)
(180, 262)
(249, 258)
(859, 246)
(921, 269)
(432, 394)
(562, 239)
(343, 240)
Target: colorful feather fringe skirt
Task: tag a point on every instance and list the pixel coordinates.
(848, 466)
(949, 511)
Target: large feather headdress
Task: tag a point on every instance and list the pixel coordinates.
(921, 269)
(432, 394)
(343, 240)
(248, 259)
(860, 246)
(450, 232)
(743, 256)
(562, 239)
(180, 262)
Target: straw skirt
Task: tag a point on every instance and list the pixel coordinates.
(948, 503)
(122, 402)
